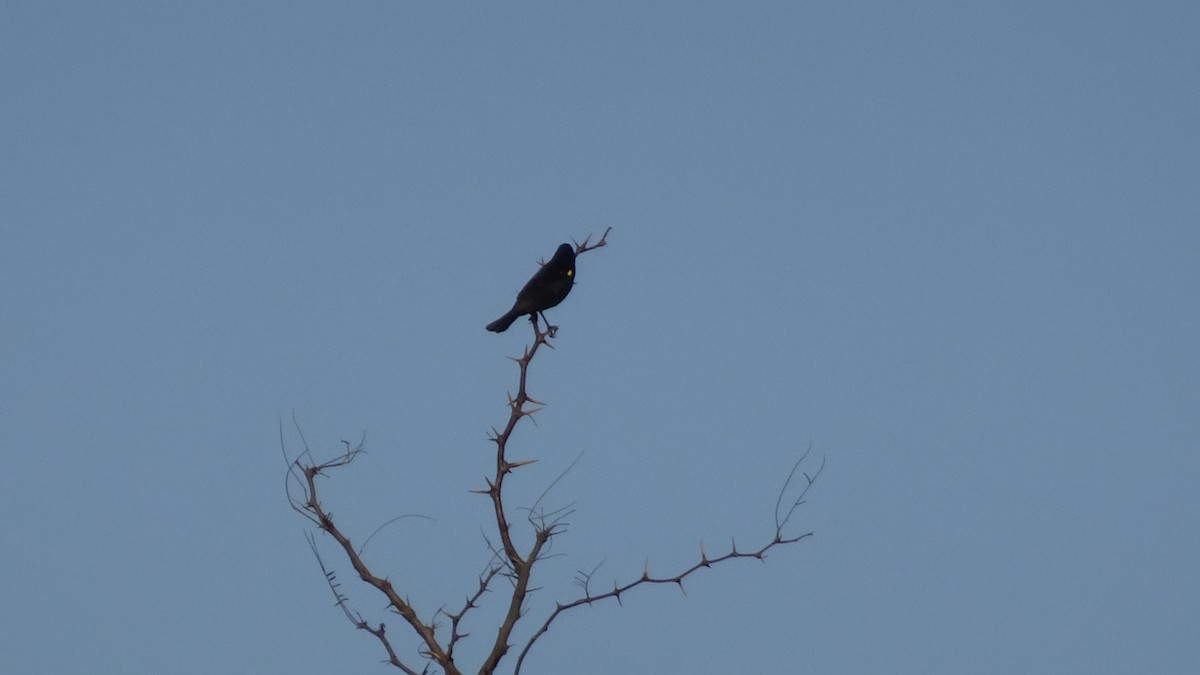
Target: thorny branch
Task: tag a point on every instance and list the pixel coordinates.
(472, 602)
(313, 510)
(354, 617)
(781, 521)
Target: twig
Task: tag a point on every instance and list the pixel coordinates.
(472, 602)
(315, 512)
(355, 618)
(584, 578)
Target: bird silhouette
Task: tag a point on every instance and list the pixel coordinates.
(545, 289)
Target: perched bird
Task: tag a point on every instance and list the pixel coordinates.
(545, 289)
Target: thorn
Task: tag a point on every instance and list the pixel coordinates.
(703, 555)
(681, 588)
(523, 462)
(646, 569)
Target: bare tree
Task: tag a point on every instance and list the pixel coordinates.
(436, 643)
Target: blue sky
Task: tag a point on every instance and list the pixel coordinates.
(951, 246)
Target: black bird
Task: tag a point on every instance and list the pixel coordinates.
(545, 289)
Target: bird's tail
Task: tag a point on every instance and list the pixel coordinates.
(500, 325)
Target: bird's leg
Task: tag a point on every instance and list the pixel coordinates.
(550, 330)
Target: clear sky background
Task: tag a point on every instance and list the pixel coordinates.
(954, 247)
